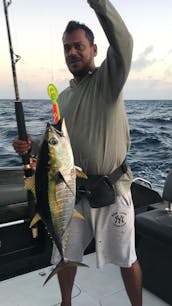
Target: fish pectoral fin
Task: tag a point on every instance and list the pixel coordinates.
(35, 219)
(80, 173)
(29, 184)
(60, 174)
(76, 214)
(62, 265)
(59, 178)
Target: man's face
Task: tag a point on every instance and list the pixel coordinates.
(79, 54)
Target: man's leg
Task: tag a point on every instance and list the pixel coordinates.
(66, 280)
(132, 278)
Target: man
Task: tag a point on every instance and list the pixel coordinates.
(96, 121)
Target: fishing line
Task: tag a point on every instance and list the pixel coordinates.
(16, 38)
(51, 52)
(52, 55)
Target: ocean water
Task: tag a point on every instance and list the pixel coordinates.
(150, 155)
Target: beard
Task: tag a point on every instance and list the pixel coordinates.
(79, 68)
(80, 72)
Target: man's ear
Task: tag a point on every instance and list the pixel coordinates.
(94, 50)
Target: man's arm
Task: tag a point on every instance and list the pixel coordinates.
(121, 44)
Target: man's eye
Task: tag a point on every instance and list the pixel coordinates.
(66, 49)
(79, 47)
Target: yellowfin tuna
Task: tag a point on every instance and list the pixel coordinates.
(55, 189)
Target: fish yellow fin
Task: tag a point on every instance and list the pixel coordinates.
(76, 214)
(29, 184)
(80, 173)
(35, 219)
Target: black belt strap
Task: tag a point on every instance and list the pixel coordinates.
(118, 172)
(113, 177)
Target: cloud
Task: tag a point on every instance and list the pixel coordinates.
(143, 61)
(148, 50)
(147, 89)
(168, 72)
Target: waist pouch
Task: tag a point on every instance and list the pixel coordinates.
(100, 190)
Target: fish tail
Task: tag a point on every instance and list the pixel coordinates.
(62, 265)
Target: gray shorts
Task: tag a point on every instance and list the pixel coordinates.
(111, 226)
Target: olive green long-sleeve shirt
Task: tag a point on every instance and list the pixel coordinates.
(94, 109)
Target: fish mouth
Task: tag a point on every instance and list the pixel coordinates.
(57, 127)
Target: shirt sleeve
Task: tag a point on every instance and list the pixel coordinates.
(115, 68)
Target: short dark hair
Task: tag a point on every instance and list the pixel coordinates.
(75, 25)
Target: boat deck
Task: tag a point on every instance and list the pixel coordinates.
(92, 287)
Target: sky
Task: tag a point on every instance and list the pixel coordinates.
(36, 30)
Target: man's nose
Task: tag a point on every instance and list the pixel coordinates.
(72, 51)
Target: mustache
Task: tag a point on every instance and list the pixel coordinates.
(73, 59)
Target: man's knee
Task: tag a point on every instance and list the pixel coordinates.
(134, 267)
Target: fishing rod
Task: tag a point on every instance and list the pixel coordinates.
(28, 171)
(18, 104)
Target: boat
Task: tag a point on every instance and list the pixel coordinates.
(25, 257)
(25, 260)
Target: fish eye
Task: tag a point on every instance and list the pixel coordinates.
(53, 141)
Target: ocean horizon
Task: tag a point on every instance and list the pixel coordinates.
(150, 124)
